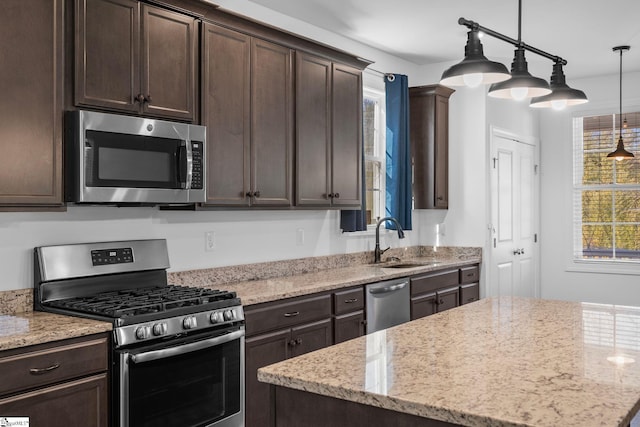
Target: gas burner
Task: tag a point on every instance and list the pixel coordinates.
(145, 301)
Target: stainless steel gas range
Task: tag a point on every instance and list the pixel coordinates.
(178, 352)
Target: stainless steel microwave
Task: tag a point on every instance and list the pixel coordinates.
(118, 159)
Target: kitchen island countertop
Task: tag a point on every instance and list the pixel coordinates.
(496, 362)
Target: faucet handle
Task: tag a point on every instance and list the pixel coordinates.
(384, 250)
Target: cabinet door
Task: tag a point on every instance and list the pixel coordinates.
(31, 103)
(348, 326)
(346, 153)
(271, 124)
(107, 58)
(262, 350)
(469, 293)
(169, 49)
(311, 337)
(447, 298)
(424, 305)
(226, 114)
(313, 131)
(79, 403)
(441, 142)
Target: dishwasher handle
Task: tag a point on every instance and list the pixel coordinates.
(388, 289)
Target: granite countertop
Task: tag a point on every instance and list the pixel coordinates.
(495, 362)
(259, 291)
(29, 328)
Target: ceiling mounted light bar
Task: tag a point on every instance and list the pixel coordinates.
(517, 85)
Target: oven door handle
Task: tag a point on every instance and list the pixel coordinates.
(186, 348)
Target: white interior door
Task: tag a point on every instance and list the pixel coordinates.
(514, 215)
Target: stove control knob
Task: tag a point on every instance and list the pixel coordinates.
(216, 317)
(229, 315)
(160, 329)
(189, 322)
(143, 332)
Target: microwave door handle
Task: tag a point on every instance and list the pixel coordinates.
(185, 164)
(186, 348)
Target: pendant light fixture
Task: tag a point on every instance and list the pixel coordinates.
(620, 153)
(561, 95)
(476, 69)
(522, 84)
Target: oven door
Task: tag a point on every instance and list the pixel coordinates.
(193, 381)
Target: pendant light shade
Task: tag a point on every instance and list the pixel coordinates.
(620, 153)
(561, 94)
(521, 85)
(475, 68)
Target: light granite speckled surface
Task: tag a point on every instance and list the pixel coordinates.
(34, 327)
(264, 282)
(16, 301)
(495, 362)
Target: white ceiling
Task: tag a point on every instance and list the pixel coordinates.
(427, 31)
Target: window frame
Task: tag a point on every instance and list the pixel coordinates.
(577, 262)
(379, 147)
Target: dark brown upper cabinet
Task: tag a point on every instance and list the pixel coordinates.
(31, 105)
(133, 57)
(247, 106)
(429, 134)
(329, 133)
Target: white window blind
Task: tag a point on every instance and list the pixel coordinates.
(606, 192)
(374, 153)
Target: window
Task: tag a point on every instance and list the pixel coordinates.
(606, 192)
(374, 154)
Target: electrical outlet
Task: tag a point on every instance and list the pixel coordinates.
(209, 241)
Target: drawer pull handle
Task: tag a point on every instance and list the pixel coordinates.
(469, 274)
(40, 371)
(351, 300)
(292, 314)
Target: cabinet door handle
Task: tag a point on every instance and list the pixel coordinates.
(140, 98)
(292, 314)
(40, 371)
(330, 195)
(256, 194)
(298, 341)
(350, 301)
(147, 99)
(336, 195)
(292, 343)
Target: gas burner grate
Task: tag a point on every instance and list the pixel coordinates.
(142, 301)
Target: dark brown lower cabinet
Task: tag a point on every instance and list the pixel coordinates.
(424, 305)
(348, 326)
(295, 408)
(469, 293)
(268, 348)
(64, 383)
(79, 403)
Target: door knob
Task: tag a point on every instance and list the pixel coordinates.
(517, 252)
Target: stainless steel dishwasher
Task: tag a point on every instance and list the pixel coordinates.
(388, 304)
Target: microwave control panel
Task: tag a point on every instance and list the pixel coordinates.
(196, 153)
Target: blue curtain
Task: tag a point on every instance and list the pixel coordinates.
(398, 197)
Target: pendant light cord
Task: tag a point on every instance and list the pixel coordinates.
(519, 23)
(620, 118)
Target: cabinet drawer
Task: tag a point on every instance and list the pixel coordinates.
(348, 300)
(40, 367)
(285, 314)
(469, 274)
(447, 298)
(433, 281)
(469, 293)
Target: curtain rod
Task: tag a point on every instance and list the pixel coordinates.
(390, 76)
